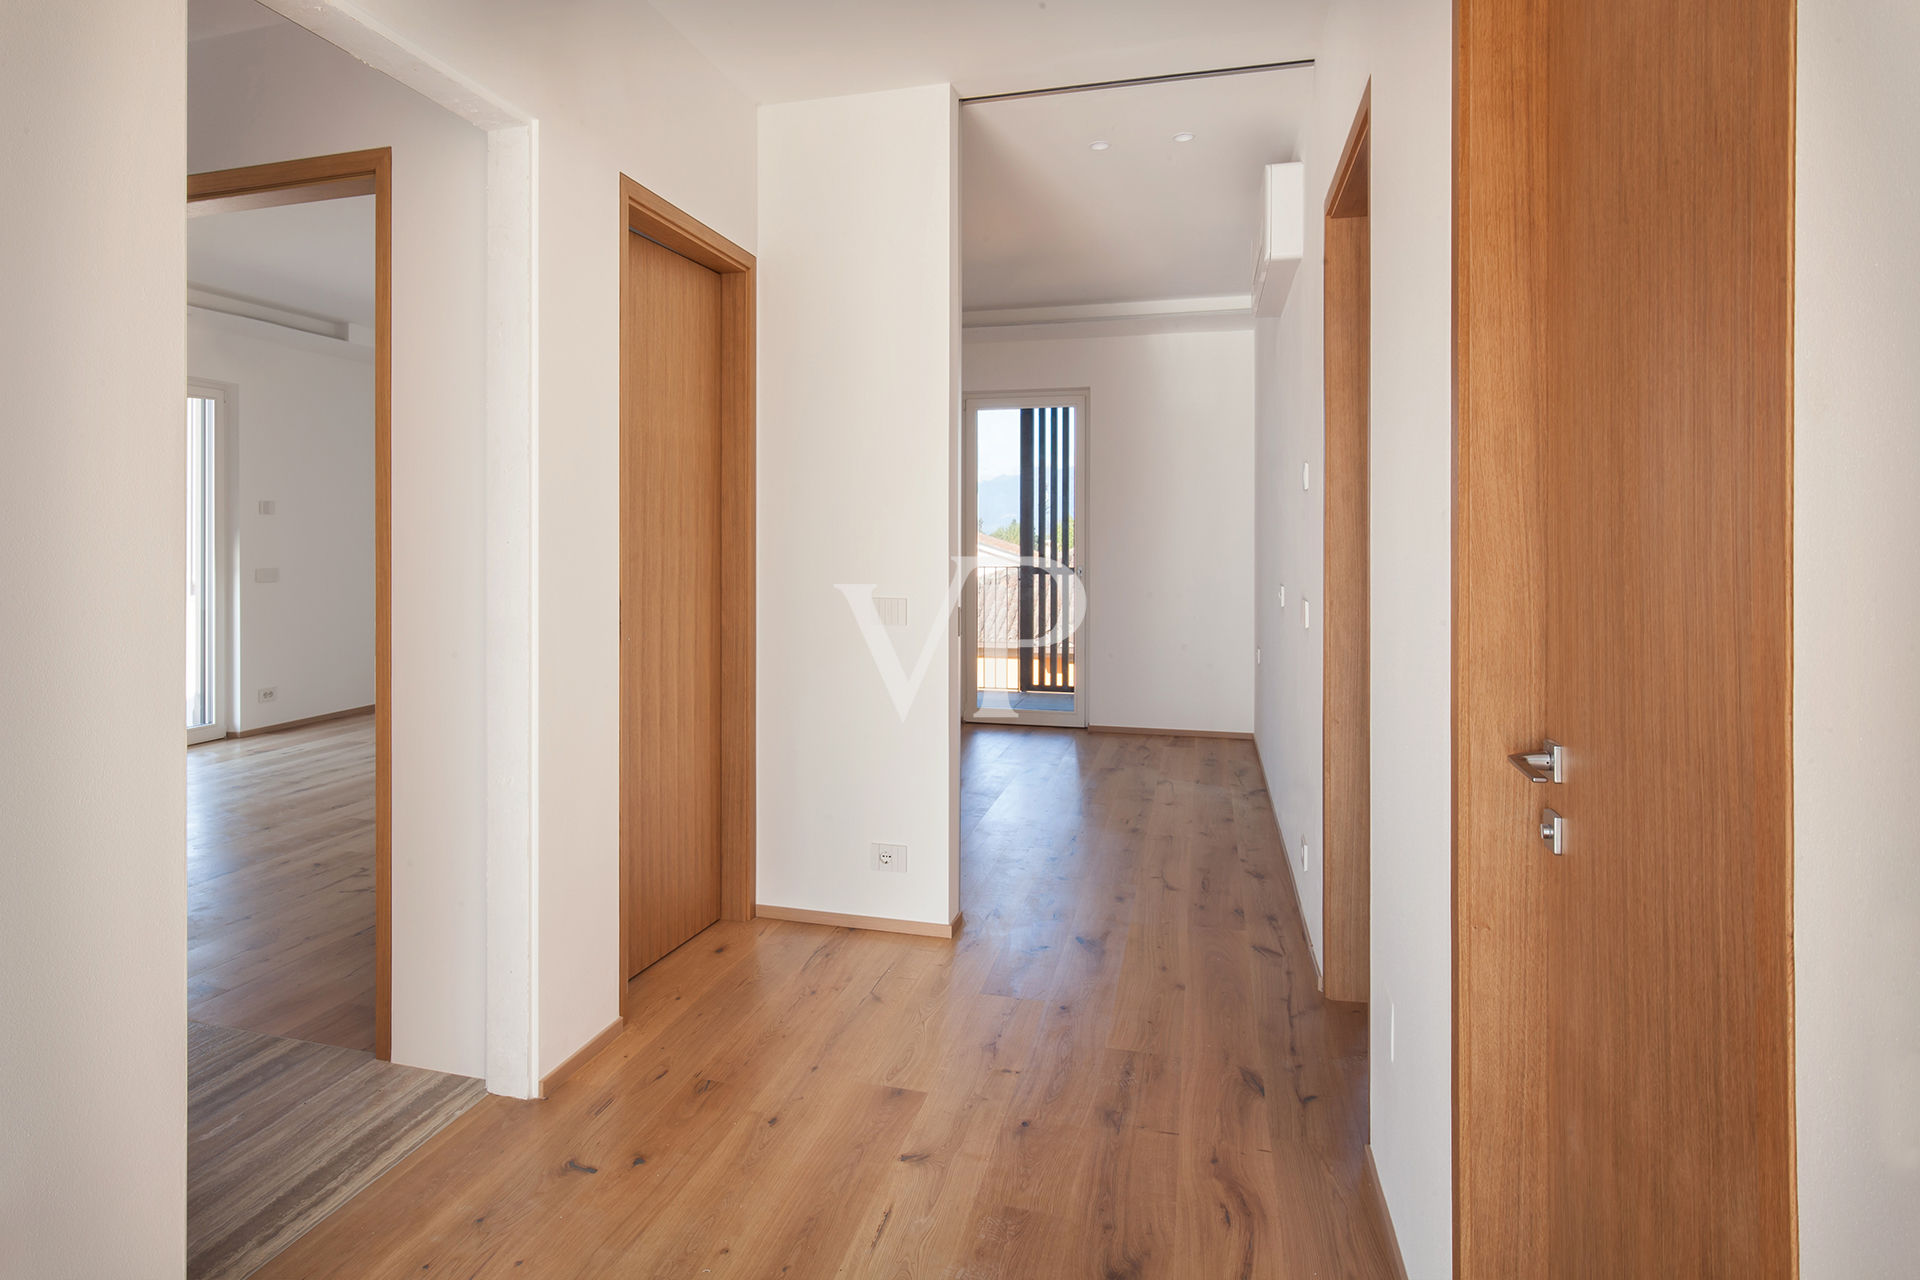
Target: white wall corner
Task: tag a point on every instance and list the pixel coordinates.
(512, 525)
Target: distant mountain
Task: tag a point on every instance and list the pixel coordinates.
(999, 502)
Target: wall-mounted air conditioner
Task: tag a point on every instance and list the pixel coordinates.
(1283, 239)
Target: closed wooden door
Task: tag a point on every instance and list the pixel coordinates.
(670, 600)
(1625, 998)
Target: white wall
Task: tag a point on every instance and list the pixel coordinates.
(1170, 515)
(1405, 47)
(279, 93)
(1856, 710)
(304, 408)
(92, 767)
(859, 335)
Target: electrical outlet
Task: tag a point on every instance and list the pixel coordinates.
(269, 693)
(890, 857)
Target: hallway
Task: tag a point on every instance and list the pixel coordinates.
(1121, 1067)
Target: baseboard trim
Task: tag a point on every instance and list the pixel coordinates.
(581, 1057)
(1293, 877)
(1382, 1220)
(303, 722)
(839, 920)
(1170, 733)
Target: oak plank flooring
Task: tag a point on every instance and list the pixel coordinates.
(1122, 1066)
(282, 1132)
(280, 848)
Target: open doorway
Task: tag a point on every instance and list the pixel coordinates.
(1024, 529)
(287, 602)
(299, 1000)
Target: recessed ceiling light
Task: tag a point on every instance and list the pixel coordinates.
(1100, 146)
(1183, 137)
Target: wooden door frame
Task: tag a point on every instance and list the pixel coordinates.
(335, 177)
(646, 213)
(1345, 663)
(1499, 685)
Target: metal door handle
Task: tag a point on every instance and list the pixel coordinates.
(1549, 764)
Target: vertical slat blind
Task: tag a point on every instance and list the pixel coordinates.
(1046, 534)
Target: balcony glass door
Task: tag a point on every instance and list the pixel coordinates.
(1026, 603)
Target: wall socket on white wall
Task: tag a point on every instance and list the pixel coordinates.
(269, 693)
(890, 857)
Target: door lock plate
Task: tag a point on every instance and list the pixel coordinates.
(1553, 831)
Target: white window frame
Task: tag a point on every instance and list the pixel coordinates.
(1080, 400)
(224, 626)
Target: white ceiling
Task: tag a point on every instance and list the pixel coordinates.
(787, 50)
(1046, 221)
(207, 19)
(316, 258)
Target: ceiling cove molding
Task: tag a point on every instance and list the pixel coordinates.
(207, 299)
(1157, 310)
(354, 349)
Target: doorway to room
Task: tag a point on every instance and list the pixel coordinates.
(1024, 530)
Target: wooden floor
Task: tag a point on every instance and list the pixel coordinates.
(280, 883)
(280, 1133)
(1121, 1068)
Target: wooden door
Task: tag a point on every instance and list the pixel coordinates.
(670, 599)
(1623, 1007)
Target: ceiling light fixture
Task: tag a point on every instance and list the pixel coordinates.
(1100, 146)
(1183, 137)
